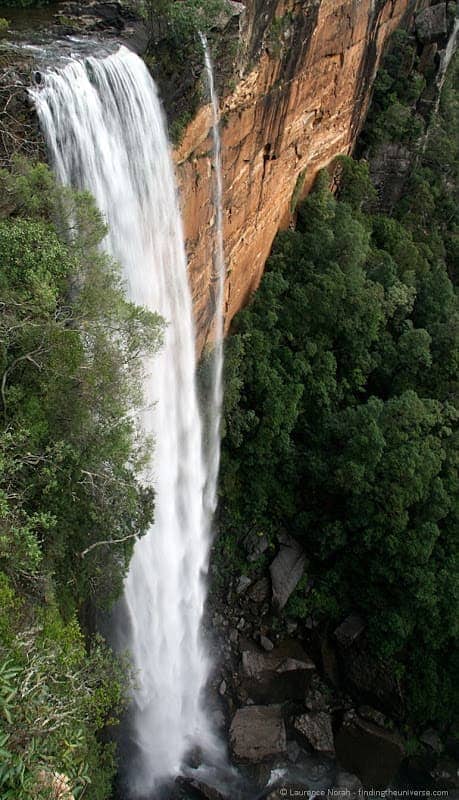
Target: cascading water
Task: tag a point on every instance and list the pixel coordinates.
(218, 283)
(105, 132)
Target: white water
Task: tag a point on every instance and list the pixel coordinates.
(218, 286)
(105, 132)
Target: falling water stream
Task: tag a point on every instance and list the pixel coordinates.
(105, 132)
(218, 287)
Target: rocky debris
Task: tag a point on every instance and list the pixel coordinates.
(286, 570)
(255, 545)
(283, 674)
(257, 734)
(372, 752)
(243, 584)
(266, 643)
(349, 630)
(432, 23)
(97, 16)
(259, 592)
(316, 731)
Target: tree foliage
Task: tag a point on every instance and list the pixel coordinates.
(180, 21)
(72, 501)
(341, 427)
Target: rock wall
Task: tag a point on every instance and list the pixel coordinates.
(299, 101)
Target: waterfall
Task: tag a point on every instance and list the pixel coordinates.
(105, 132)
(218, 286)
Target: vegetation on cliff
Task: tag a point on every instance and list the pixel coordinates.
(341, 412)
(70, 498)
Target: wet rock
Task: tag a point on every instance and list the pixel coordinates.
(283, 674)
(243, 584)
(257, 734)
(315, 729)
(431, 23)
(286, 570)
(373, 753)
(266, 643)
(222, 688)
(234, 637)
(241, 624)
(203, 789)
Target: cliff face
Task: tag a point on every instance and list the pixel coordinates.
(299, 103)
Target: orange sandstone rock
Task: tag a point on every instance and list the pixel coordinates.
(300, 106)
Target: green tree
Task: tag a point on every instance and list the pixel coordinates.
(341, 427)
(72, 501)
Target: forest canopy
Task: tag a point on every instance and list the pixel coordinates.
(341, 413)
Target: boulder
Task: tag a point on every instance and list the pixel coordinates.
(257, 734)
(205, 791)
(255, 545)
(315, 729)
(349, 630)
(432, 23)
(203, 786)
(372, 752)
(286, 570)
(283, 674)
